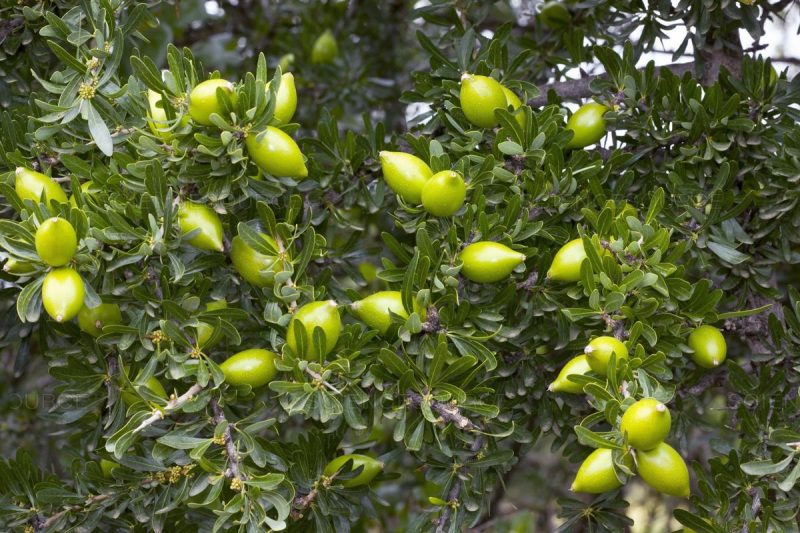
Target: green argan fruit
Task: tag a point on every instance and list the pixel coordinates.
(405, 174)
(368, 271)
(325, 48)
(646, 423)
(444, 193)
(203, 100)
(18, 268)
(664, 469)
(480, 97)
(598, 353)
(30, 185)
(513, 100)
(374, 309)
(93, 319)
(62, 294)
(566, 265)
(56, 241)
(155, 386)
(275, 153)
(371, 468)
(191, 217)
(204, 330)
(709, 346)
(87, 189)
(555, 15)
(488, 262)
(285, 100)
(254, 367)
(256, 268)
(107, 466)
(316, 314)
(577, 366)
(596, 474)
(587, 124)
(285, 62)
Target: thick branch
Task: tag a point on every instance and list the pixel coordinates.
(446, 411)
(233, 470)
(172, 405)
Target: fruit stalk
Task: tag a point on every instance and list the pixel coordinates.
(172, 405)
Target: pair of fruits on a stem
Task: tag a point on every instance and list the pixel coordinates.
(441, 194)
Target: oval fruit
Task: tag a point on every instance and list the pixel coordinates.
(254, 367)
(316, 314)
(596, 473)
(371, 468)
(87, 189)
(587, 124)
(598, 353)
(480, 96)
(325, 48)
(285, 100)
(107, 466)
(56, 241)
(405, 174)
(203, 100)
(256, 268)
(664, 469)
(444, 193)
(205, 330)
(708, 345)
(285, 62)
(19, 268)
(646, 423)
(62, 294)
(488, 262)
(274, 152)
(93, 319)
(30, 185)
(577, 366)
(374, 309)
(566, 265)
(555, 15)
(153, 384)
(513, 101)
(191, 217)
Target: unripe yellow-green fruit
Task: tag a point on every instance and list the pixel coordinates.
(87, 188)
(480, 97)
(489, 262)
(598, 353)
(56, 241)
(577, 366)
(30, 185)
(374, 309)
(93, 319)
(708, 345)
(285, 99)
(285, 62)
(19, 268)
(513, 100)
(587, 124)
(256, 268)
(372, 467)
(203, 100)
(152, 383)
(316, 314)
(107, 466)
(191, 217)
(204, 330)
(325, 48)
(62, 294)
(275, 153)
(444, 193)
(566, 265)
(664, 469)
(554, 15)
(646, 423)
(254, 367)
(405, 174)
(596, 474)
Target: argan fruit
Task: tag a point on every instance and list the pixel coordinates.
(444, 193)
(56, 241)
(87, 189)
(191, 217)
(646, 423)
(515, 103)
(708, 345)
(664, 469)
(587, 125)
(92, 319)
(325, 48)
(555, 15)
(405, 174)
(18, 268)
(152, 383)
(285, 100)
(371, 468)
(256, 268)
(596, 474)
(480, 97)
(254, 367)
(489, 262)
(566, 265)
(203, 100)
(204, 330)
(62, 294)
(374, 310)
(275, 153)
(30, 185)
(315, 314)
(577, 366)
(598, 353)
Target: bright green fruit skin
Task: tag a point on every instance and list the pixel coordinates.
(192, 216)
(275, 153)
(372, 467)
(374, 309)
(93, 319)
(254, 367)
(285, 99)
(204, 331)
(444, 193)
(587, 124)
(87, 188)
(62, 294)
(252, 265)
(598, 353)
(157, 117)
(709, 346)
(646, 423)
(405, 174)
(480, 96)
(30, 184)
(155, 386)
(325, 48)
(19, 268)
(513, 100)
(107, 466)
(285, 62)
(203, 100)
(489, 262)
(664, 470)
(596, 473)
(316, 314)
(577, 366)
(554, 15)
(567, 262)
(56, 241)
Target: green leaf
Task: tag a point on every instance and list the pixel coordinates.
(766, 467)
(98, 129)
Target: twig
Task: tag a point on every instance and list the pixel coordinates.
(289, 283)
(447, 411)
(172, 405)
(455, 490)
(318, 377)
(233, 470)
(53, 519)
(432, 324)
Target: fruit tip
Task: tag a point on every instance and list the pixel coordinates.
(715, 362)
(332, 303)
(59, 318)
(466, 76)
(551, 387)
(660, 407)
(588, 350)
(19, 170)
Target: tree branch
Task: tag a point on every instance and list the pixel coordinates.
(447, 412)
(172, 405)
(455, 490)
(233, 470)
(44, 524)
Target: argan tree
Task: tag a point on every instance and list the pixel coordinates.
(398, 266)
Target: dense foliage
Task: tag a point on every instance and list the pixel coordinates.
(201, 231)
